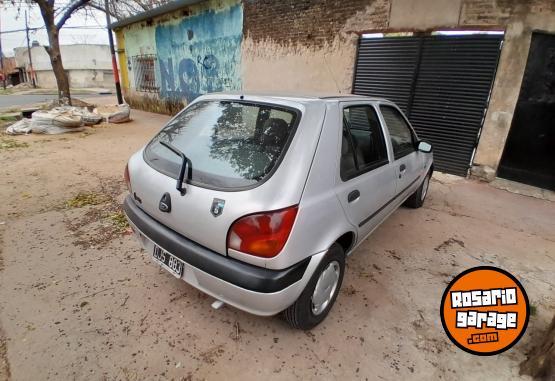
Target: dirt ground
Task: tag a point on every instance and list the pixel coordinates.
(79, 300)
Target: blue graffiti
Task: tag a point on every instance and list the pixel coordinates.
(200, 54)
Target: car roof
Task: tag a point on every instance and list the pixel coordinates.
(303, 97)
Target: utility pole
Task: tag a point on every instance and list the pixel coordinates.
(2, 57)
(113, 52)
(29, 51)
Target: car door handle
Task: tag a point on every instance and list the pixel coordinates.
(402, 169)
(354, 195)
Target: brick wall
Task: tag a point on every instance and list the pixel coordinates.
(308, 22)
(315, 22)
(498, 12)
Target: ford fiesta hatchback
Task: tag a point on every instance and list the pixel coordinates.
(257, 200)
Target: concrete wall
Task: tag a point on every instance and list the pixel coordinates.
(77, 78)
(88, 65)
(198, 49)
(78, 56)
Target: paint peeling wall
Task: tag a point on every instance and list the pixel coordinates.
(197, 50)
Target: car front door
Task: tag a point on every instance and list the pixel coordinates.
(407, 162)
(367, 179)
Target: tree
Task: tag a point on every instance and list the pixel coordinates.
(54, 19)
(55, 16)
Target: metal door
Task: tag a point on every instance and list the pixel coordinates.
(442, 83)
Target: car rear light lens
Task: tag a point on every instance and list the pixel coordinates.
(262, 234)
(127, 178)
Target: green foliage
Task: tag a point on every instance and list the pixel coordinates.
(10, 144)
(86, 198)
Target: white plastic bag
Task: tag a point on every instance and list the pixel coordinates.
(120, 116)
(21, 127)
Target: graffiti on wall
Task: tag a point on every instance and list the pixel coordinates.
(200, 53)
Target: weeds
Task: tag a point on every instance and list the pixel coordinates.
(9, 144)
(102, 218)
(8, 118)
(87, 198)
(119, 221)
(533, 310)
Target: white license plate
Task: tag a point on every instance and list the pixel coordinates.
(168, 261)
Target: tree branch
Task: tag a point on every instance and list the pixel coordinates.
(69, 11)
(98, 7)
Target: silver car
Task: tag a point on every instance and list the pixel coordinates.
(257, 200)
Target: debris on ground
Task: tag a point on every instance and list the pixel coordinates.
(21, 127)
(23, 86)
(61, 119)
(57, 121)
(103, 219)
(117, 114)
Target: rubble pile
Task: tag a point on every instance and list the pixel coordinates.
(64, 119)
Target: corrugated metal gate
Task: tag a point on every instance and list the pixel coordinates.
(442, 83)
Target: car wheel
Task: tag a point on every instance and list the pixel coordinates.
(320, 293)
(416, 200)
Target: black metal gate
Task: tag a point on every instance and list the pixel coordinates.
(441, 82)
(529, 154)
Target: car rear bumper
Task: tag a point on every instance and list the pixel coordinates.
(250, 288)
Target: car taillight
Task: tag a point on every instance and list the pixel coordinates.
(127, 178)
(262, 234)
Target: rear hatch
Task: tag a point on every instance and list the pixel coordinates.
(232, 147)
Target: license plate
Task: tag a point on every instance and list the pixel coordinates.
(170, 262)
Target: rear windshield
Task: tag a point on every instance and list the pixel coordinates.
(229, 144)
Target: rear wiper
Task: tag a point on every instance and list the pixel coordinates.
(185, 162)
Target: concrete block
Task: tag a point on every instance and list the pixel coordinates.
(483, 172)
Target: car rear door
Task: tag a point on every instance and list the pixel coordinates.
(407, 160)
(366, 181)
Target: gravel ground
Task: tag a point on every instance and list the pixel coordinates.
(79, 300)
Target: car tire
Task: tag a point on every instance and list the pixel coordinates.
(307, 313)
(416, 200)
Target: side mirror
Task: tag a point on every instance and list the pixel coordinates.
(424, 147)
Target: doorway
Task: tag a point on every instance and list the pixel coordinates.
(529, 155)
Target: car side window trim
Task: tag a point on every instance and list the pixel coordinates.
(374, 165)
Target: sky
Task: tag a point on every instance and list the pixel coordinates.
(11, 19)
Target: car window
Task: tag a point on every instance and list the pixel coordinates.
(230, 144)
(402, 138)
(363, 145)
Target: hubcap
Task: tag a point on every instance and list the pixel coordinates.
(425, 187)
(325, 287)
